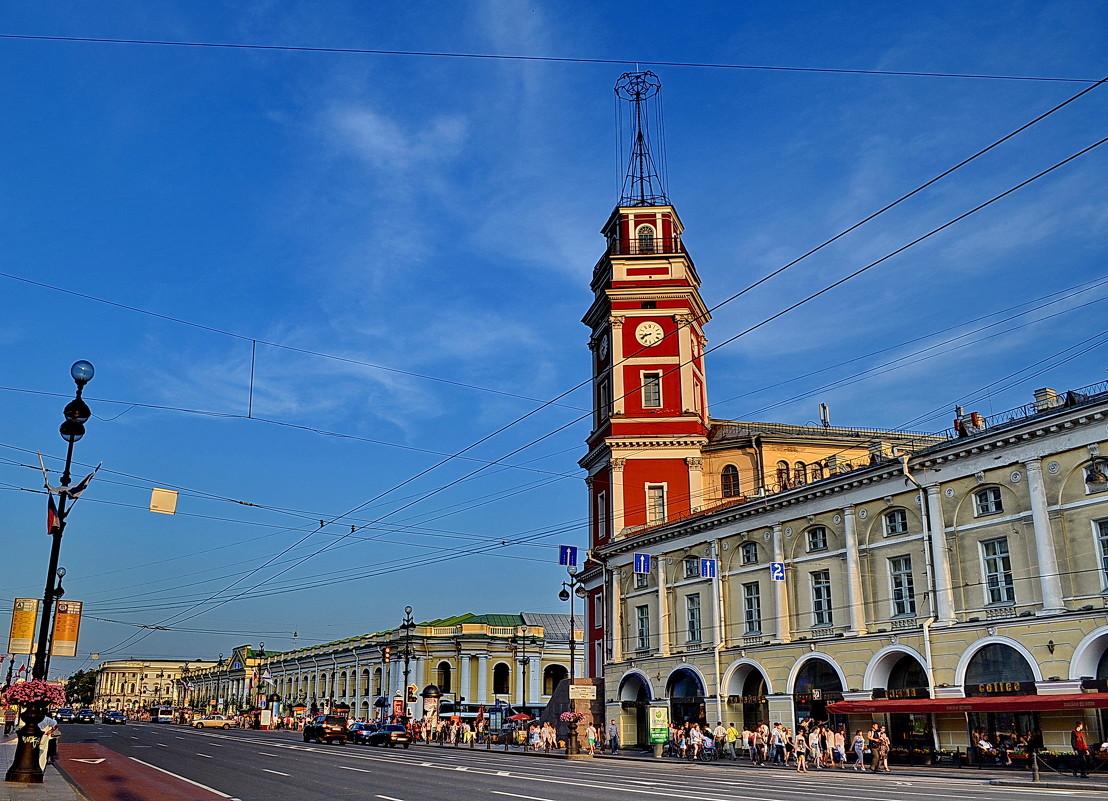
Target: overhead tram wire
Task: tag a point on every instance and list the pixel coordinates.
(732, 339)
(775, 316)
(542, 59)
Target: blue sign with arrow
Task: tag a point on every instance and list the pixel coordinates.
(567, 555)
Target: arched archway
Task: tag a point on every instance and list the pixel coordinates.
(443, 675)
(501, 679)
(745, 686)
(635, 694)
(999, 667)
(816, 683)
(552, 676)
(685, 690)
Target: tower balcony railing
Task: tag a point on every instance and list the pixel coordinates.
(652, 246)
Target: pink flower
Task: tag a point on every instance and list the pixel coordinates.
(30, 692)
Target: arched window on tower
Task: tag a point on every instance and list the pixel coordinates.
(501, 674)
(800, 474)
(729, 481)
(443, 677)
(645, 235)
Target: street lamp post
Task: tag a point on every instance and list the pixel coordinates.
(72, 429)
(407, 626)
(569, 589)
(219, 684)
(524, 660)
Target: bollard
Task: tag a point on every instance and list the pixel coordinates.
(1035, 765)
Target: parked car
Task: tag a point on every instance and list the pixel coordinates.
(113, 716)
(360, 732)
(213, 722)
(390, 735)
(327, 729)
(65, 715)
(86, 715)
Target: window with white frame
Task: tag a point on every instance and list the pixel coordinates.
(692, 617)
(655, 504)
(750, 553)
(1102, 542)
(692, 567)
(896, 522)
(598, 610)
(641, 580)
(645, 234)
(821, 598)
(903, 586)
(987, 501)
(817, 539)
(642, 628)
(602, 515)
(998, 571)
(652, 390)
(752, 608)
(603, 400)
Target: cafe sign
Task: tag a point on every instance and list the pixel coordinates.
(1001, 688)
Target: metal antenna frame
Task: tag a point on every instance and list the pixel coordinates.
(642, 186)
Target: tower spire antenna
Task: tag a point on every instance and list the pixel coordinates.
(641, 96)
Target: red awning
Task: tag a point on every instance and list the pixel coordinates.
(982, 703)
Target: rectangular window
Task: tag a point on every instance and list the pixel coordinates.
(998, 571)
(752, 608)
(640, 580)
(601, 516)
(896, 522)
(903, 586)
(750, 553)
(692, 567)
(598, 610)
(603, 401)
(655, 504)
(642, 628)
(1102, 541)
(652, 390)
(817, 539)
(988, 502)
(821, 598)
(692, 616)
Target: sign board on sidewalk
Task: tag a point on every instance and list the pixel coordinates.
(582, 692)
(22, 637)
(67, 626)
(659, 724)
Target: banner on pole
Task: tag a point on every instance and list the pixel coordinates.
(21, 640)
(67, 625)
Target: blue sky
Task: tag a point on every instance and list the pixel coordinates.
(438, 217)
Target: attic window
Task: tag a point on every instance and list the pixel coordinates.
(649, 304)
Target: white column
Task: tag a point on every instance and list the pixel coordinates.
(940, 561)
(483, 679)
(780, 592)
(855, 603)
(663, 610)
(615, 485)
(1049, 579)
(695, 471)
(463, 676)
(614, 623)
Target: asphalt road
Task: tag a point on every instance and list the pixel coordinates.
(264, 766)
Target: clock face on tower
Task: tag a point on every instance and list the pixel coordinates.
(649, 333)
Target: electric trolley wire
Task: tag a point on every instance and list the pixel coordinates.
(543, 59)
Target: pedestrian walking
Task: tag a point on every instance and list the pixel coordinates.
(731, 736)
(613, 736)
(590, 736)
(859, 746)
(1080, 749)
(800, 748)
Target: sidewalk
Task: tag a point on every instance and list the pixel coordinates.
(53, 788)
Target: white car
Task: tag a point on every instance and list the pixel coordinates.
(213, 722)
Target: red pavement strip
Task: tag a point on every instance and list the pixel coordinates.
(104, 775)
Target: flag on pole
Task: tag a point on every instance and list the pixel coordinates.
(74, 492)
(51, 516)
(267, 677)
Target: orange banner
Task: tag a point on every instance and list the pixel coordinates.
(67, 625)
(21, 640)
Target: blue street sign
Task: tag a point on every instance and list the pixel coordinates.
(708, 568)
(567, 555)
(642, 563)
(777, 571)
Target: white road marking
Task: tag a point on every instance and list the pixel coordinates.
(182, 778)
(267, 770)
(161, 745)
(389, 798)
(517, 795)
(360, 770)
(263, 753)
(206, 756)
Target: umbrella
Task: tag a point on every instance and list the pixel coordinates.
(520, 716)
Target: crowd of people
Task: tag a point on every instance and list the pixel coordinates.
(812, 746)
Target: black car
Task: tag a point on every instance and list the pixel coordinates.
(65, 715)
(360, 732)
(113, 716)
(391, 734)
(86, 715)
(327, 729)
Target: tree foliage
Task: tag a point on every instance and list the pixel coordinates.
(81, 686)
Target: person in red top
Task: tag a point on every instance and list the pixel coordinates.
(1080, 750)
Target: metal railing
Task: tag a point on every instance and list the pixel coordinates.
(653, 246)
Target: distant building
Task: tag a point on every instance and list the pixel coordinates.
(131, 685)
(474, 660)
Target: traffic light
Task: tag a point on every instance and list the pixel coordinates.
(388, 653)
(412, 690)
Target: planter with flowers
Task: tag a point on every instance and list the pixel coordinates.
(34, 699)
(571, 719)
